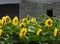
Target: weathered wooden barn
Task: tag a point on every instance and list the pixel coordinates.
(37, 7)
(22, 8)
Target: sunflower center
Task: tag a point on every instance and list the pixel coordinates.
(0, 24)
(15, 21)
(49, 22)
(3, 21)
(24, 20)
(28, 18)
(23, 32)
(7, 20)
(22, 25)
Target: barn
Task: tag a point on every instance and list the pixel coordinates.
(37, 7)
(22, 8)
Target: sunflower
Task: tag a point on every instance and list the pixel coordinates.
(38, 31)
(1, 23)
(4, 19)
(15, 21)
(7, 19)
(24, 19)
(1, 32)
(48, 22)
(22, 24)
(23, 32)
(55, 32)
(39, 26)
(33, 19)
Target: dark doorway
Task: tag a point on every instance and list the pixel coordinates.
(50, 13)
(9, 9)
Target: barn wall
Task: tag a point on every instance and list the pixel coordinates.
(34, 7)
(37, 7)
(57, 9)
(29, 8)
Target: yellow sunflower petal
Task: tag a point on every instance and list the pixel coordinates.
(1, 23)
(38, 31)
(20, 34)
(55, 32)
(4, 19)
(1, 32)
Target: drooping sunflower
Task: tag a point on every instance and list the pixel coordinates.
(22, 24)
(33, 19)
(1, 23)
(28, 21)
(24, 19)
(7, 19)
(15, 21)
(1, 32)
(39, 26)
(38, 32)
(4, 19)
(23, 32)
(48, 22)
(55, 32)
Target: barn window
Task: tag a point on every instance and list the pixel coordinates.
(50, 13)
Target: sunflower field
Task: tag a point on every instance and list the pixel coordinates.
(30, 30)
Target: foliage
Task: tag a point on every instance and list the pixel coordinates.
(42, 29)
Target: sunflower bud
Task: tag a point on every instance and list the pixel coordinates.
(55, 32)
(1, 32)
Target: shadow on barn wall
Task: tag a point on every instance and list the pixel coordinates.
(9, 9)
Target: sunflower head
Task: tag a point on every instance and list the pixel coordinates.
(4, 19)
(15, 21)
(48, 22)
(1, 23)
(22, 32)
(7, 18)
(38, 32)
(33, 19)
(24, 19)
(1, 32)
(22, 24)
(55, 32)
